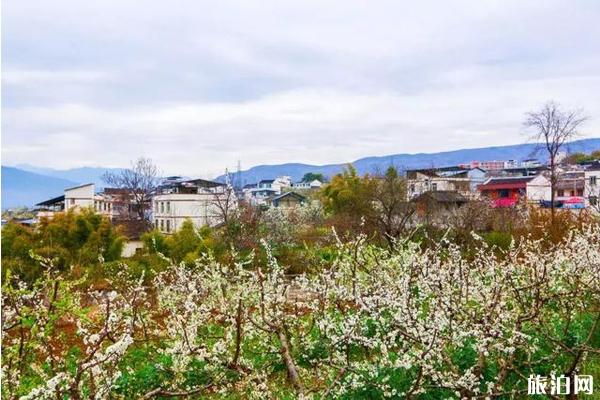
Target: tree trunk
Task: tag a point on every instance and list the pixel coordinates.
(289, 362)
(552, 189)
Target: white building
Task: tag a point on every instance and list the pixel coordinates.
(280, 183)
(569, 190)
(113, 203)
(201, 201)
(79, 197)
(592, 186)
(311, 185)
(538, 189)
(454, 179)
(259, 194)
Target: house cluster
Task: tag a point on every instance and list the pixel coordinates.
(205, 202)
(114, 203)
(505, 183)
(177, 199)
(278, 192)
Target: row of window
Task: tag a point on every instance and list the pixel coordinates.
(432, 187)
(561, 193)
(102, 206)
(164, 225)
(162, 206)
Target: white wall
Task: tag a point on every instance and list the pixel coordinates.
(424, 183)
(79, 197)
(590, 188)
(176, 208)
(539, 189)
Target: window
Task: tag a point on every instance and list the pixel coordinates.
(168, 206)
(162, 224)
(156, 206)
(560, 193)
(412, 188)
(503, 193)
(434, 186)
(579, 192)
(168, 225)
(162, 207)
(593, 180)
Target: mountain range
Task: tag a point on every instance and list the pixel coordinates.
(365, 165)
(26, 185)
(23, 188)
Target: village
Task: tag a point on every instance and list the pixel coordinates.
(500, 184)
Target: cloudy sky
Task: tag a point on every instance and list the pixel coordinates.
(197, 85)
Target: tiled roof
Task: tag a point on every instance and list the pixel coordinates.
(298, 195)
(508, 180)
(594, 167)
(52, 201)
(442, 196)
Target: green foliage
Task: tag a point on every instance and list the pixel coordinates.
(349, 194)
(82, 240)
(579, 158)
(501, 240)
(311, 176)
(185, 245)
(18, 213)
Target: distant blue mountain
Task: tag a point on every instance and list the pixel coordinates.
(408, 161)
(23, 188)
(79, 175)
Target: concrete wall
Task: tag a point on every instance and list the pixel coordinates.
(171, 210)
(79, 197)
(538, 189)
(592, 189)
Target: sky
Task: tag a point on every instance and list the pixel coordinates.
(198, 85)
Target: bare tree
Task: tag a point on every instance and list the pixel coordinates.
(224, 200)
(392, 211)
(140, 181)
(554, 128)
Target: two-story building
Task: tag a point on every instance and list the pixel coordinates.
(591, 190)
(113, 203)
(447, 179)
(505, 191)
(315, 184)
(201, 201)
(259, 194)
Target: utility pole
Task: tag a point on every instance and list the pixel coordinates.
(238, 176)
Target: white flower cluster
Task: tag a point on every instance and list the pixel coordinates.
(381, 323)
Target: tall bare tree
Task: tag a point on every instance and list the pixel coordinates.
(225, 201)
(553, 128)
(392, 212)
(140, 181)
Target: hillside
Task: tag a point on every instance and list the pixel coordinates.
(79, 175)
(23, 188)
(408, 161)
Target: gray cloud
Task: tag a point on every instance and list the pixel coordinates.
(199, 85)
